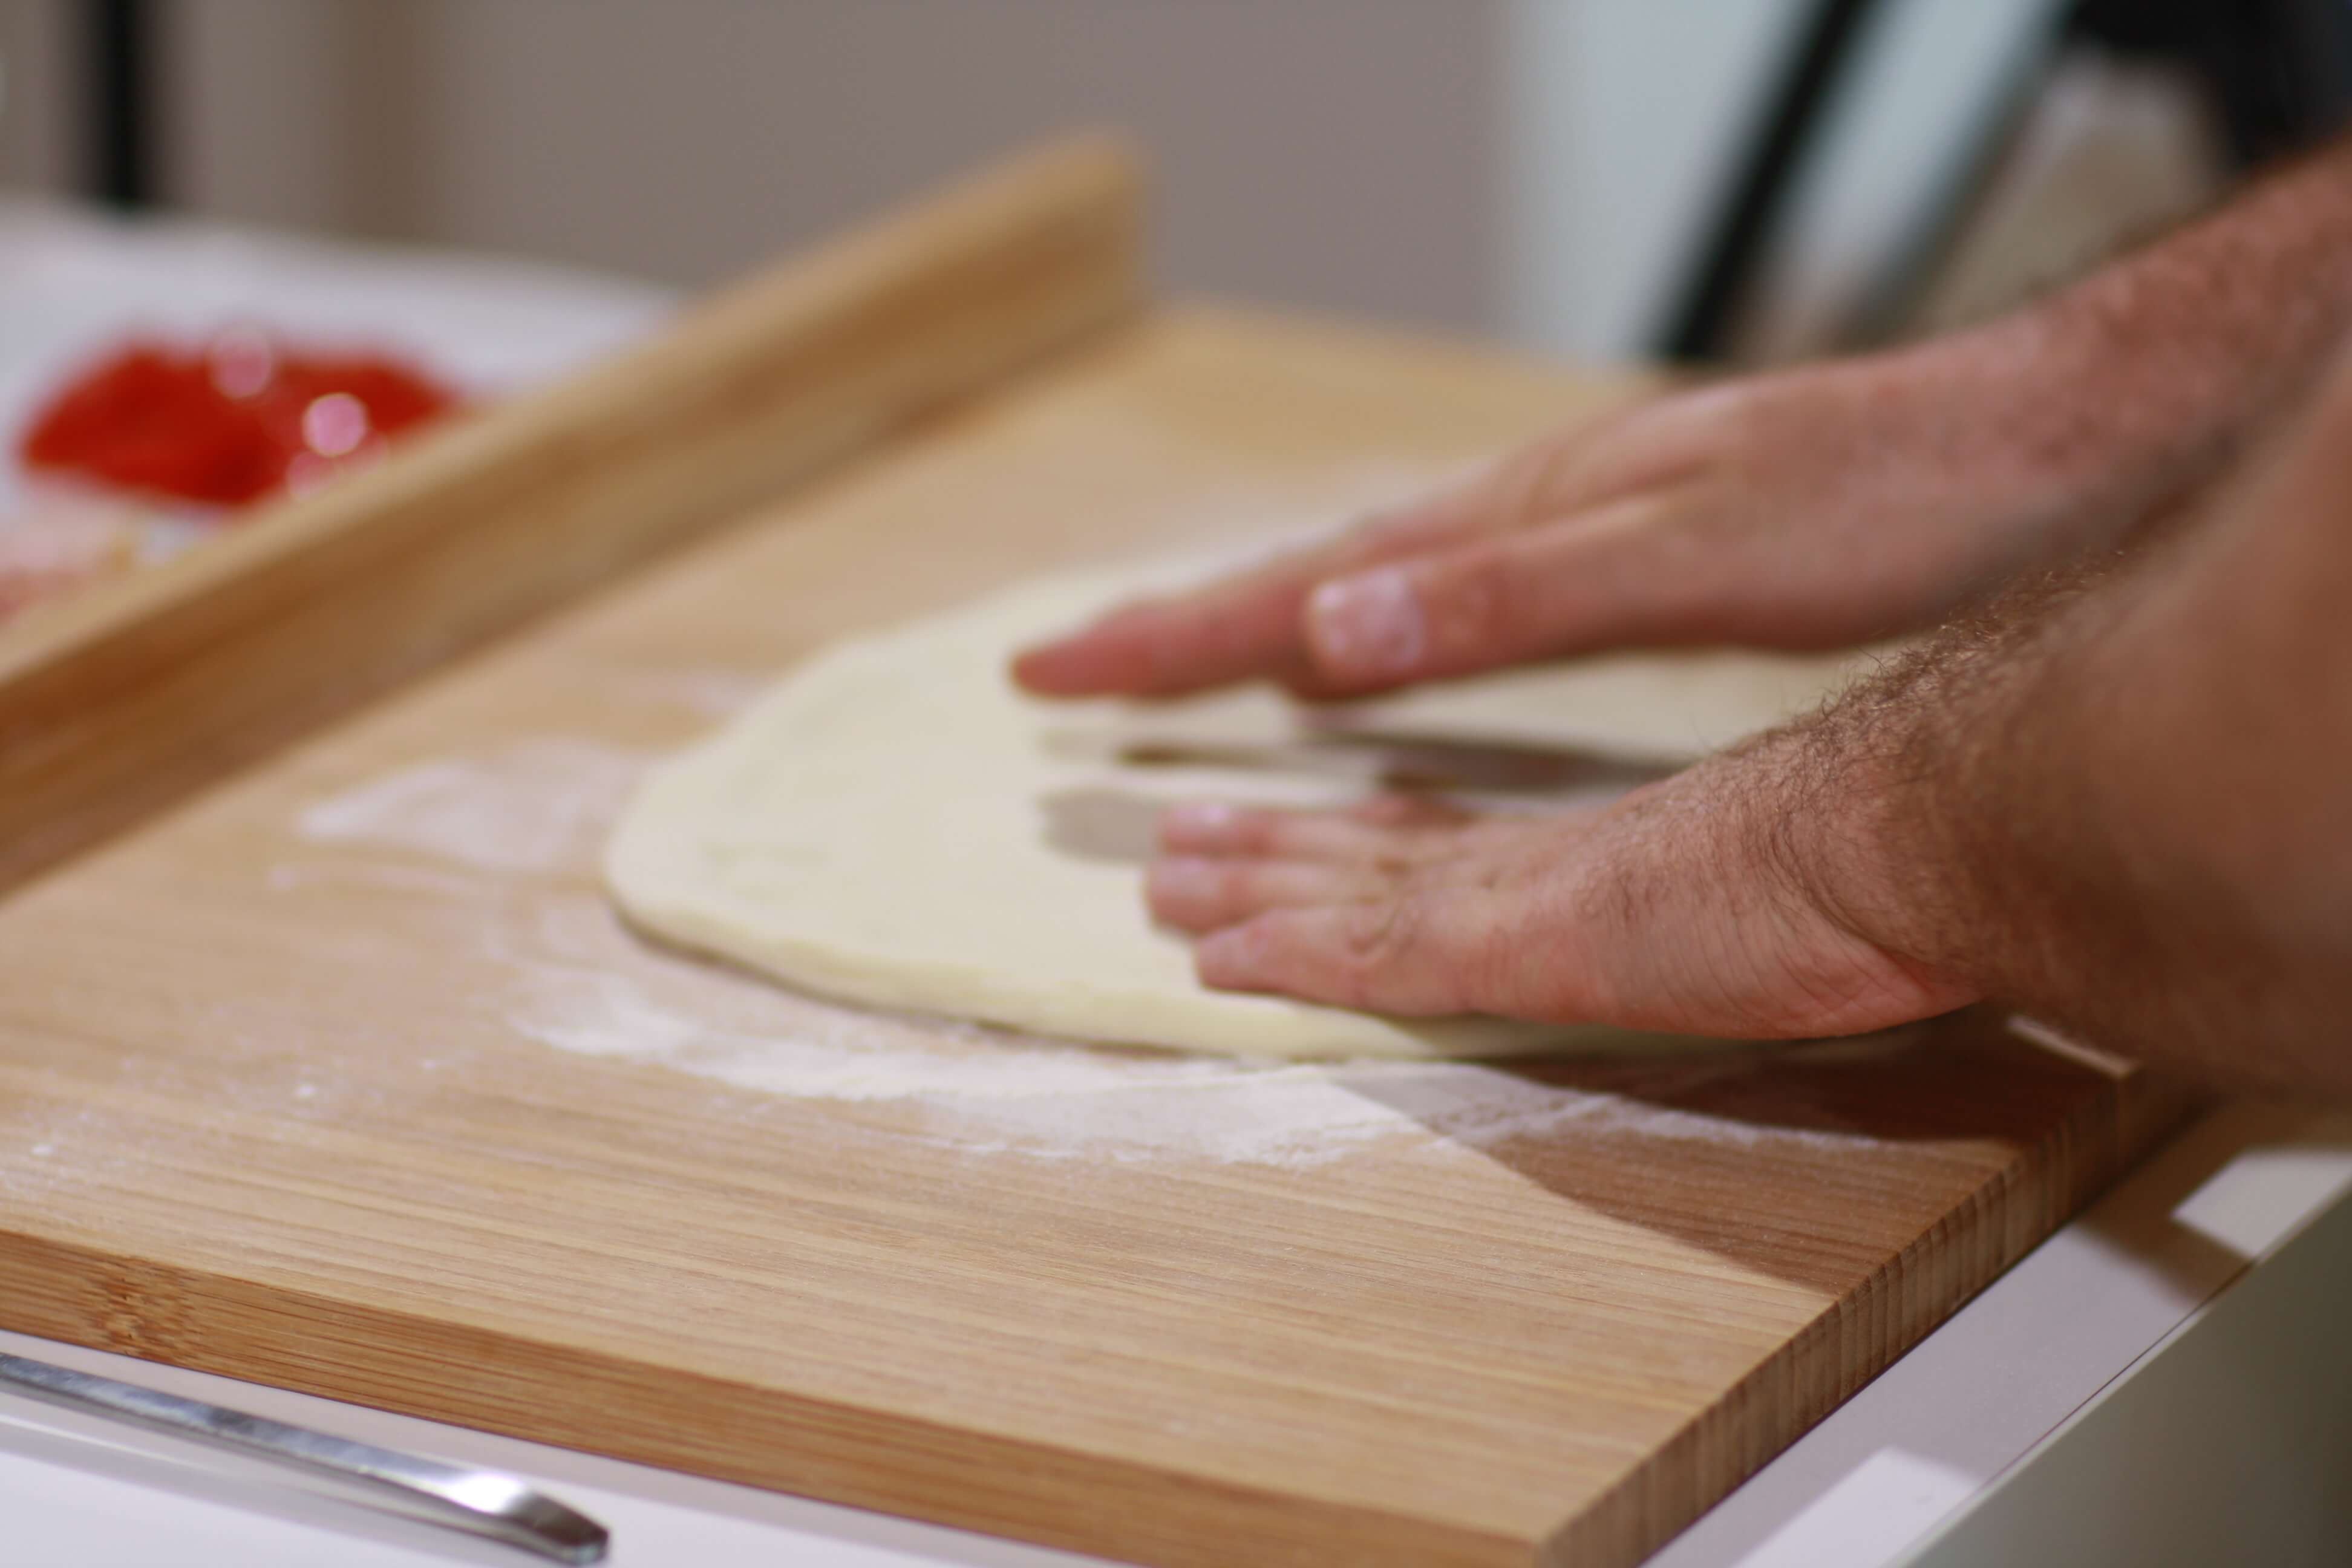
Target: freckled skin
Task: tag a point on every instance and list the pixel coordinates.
(2109, 789)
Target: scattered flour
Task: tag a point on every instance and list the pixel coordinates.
(715, 693)
(67, 1145)
(585, 985)
(530, 805)
(285, 875)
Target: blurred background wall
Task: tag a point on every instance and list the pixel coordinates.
(1339, 153)
(1544, 170)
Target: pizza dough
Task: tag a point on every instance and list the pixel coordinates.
(894, 824)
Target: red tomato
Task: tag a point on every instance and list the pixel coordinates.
(227, 425)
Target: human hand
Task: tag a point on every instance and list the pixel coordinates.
(1820, 507)
(1709, 903)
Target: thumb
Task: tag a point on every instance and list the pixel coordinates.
(1609, 578)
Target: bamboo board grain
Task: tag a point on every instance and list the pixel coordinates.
(337, 1078)
(126, 696)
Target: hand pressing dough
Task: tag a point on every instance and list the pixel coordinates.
(894, 824)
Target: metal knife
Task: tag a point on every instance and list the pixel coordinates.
(479, 1502)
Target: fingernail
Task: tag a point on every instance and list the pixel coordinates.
(1370, 625)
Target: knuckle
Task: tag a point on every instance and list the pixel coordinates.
(1397, 810)
(1481, 585)
(1233, 885)
(1380, 811)
(1523, 489)
(1372, 534)
(1268, 833)
(1377, 935)
(1489, 598)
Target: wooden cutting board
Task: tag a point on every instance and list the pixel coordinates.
(340, 1075)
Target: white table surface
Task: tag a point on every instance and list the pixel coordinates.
(2078, 1320)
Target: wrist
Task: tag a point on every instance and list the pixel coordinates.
(1736, 898)
(2074, 424)
(2151, 373)
(1855, 834)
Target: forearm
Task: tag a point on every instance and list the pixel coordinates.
(2143, 379)
(2124, 807)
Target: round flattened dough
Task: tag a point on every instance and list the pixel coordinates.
(894, 824)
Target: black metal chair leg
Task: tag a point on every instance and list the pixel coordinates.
(118, 63)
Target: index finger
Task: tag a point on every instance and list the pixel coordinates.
(1247, 625)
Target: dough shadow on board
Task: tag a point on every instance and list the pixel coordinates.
(1693, 1146)
(1396, 760)
(1102, 824)
(1106, 823)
